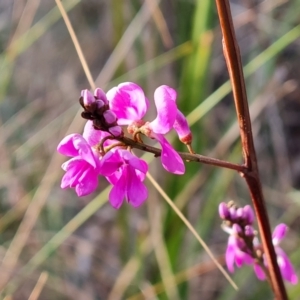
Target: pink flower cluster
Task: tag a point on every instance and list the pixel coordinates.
(125, 104)
(243, 245)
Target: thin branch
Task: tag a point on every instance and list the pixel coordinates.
(234, 65)
(186, 156)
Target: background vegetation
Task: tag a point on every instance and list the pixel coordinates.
(83, 248)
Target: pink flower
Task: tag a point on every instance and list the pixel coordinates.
(284, 263)
(243, 244)
(82, 170)
(234, 254)
(130, 105)
(126, 173)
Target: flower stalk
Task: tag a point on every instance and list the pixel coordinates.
(234, 65)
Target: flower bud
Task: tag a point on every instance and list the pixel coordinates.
(182, 128)
(223, 211)
(110, 117)
(240, 213)
(248, 214)
(100, 95)
(116, 131)
(249, 230)
(236, 229)
(88, 97)
(232, 211)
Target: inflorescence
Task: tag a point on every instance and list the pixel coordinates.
(102, 149)
(244, 247)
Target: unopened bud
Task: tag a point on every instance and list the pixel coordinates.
(110, 117)
(88, 97)
(116, 131)
(236, 229)
(249, 230)
(224, 211)
(182, 128)
(248, 214)
(100, 95)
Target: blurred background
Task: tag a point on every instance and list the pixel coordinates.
(55, 245)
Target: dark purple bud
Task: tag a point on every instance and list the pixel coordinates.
(223, 211)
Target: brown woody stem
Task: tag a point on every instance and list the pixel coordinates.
(185, 156)
(234, 65)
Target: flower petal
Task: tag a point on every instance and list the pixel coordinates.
(84, 150)
(166, 110)
(170, 159)
(66, 146)
(128, 102)
(110, 163)
(91, 135)
(136, 162)
(230, 257)
(279, 233)
(260, 274)
(182, 128)
(87, 183)
(119, 191)
(137, 193)
(285, 266)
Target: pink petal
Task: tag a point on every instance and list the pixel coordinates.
(230, 257)
(91, 135)
(118, 192)
(76, 145)
(73, 169)
(279, 233)
(182, 128)
(166, 110)
(84, 150)
(110, 163)
(128, 102)
(260, 274)
(66, 146)
(134, 161)
(285, 266)
(88, 183)
(81, 175)
(170, 159)
(137, 193)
